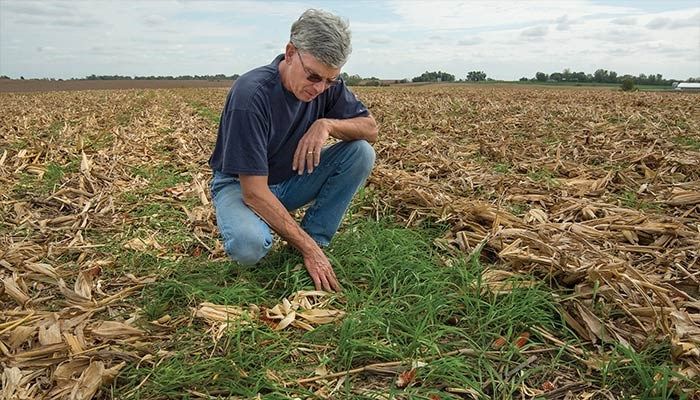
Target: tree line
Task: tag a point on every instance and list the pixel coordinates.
(439, 76)
(94, 77)
(603, 76)
(599, 76)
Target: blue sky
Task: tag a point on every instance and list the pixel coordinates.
(392, 39)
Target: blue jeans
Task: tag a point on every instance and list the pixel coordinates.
(343, 168)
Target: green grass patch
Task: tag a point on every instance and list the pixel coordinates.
(630, 199)
(502, 168)
(692, 143)
(99, 140)
(52, 130)
(53, 175)
(402, 302)
(160, 177)
(647, 374)
(518, 209)
(543, 175)
(206, 112)
(19, 144)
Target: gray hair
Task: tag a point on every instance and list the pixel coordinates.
(324, 35)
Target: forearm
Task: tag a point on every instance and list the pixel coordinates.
(360, 128)
(271, 210)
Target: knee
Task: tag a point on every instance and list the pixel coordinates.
(363, 156)
(247, 248)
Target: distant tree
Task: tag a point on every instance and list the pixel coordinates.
(600, 75)
(580, 77)
(351, 80)
(433, 76)
(476, 76)
(628, 85)
(566, 75)
(4, 77)
(556, 76)
(524, 79)
(21, 77)
(541, 77)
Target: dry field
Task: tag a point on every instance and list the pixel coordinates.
(36, 85)
(596, 193)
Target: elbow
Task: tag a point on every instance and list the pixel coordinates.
(250, 199)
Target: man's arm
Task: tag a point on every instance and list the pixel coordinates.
(364, 128)
(308, 152)
(257, 196)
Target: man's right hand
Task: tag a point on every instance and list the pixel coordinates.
(321, 271)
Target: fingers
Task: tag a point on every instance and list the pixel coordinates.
(335, 285)
(324, 278)
(317, 281)
(326, 281)
(305, 159)
(310, 155)
(299, 159)
(308, 152)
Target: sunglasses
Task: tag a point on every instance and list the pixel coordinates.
(314, 77)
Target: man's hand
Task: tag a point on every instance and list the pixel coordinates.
(321, 271)
(308, 152)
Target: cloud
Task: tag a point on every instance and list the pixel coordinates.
(440, 15)
(658, 23)
(624, 21)
(380, 40)
(690, 22)
(154, 19)
(564, 23)
(616, 35)
(535, 31)
(674, 23)
(470, 42)
(46, 49)
(37, 9)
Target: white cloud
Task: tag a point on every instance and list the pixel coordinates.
(624, 21)
(535, 31)
(470, 42)
(659, 22)
(380, 40)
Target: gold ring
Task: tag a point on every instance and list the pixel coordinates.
(310, 152)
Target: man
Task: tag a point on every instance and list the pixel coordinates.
(270, 155)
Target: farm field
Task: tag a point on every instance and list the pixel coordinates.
(512, 242)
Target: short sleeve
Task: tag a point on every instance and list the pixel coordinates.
(346, 105)
(244, 145)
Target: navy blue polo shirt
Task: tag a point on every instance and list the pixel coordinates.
(262, 122)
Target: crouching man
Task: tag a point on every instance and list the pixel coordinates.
(271, 155)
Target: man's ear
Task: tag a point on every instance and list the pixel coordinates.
(289, 52)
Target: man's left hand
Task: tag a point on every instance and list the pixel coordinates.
(308, 152)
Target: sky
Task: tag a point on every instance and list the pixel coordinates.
(392, 39)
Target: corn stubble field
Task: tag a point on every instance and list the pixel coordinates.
(512, 242)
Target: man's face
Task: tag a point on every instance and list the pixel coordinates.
(310, 76)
